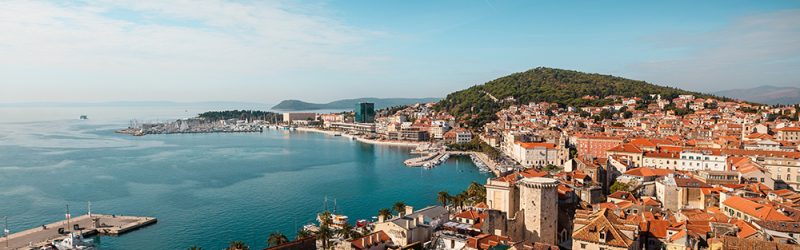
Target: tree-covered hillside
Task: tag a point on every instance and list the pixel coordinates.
(478, 104)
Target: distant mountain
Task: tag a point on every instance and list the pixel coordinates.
(478, 104)
(294, 105)
(765, 94)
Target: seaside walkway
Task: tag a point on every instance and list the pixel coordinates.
(97, 224)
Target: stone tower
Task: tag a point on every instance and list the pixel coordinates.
(538, 199)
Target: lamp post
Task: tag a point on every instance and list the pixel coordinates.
(5, 229)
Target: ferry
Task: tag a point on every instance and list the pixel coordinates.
(84, 117)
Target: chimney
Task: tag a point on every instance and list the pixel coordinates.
(381, 218)
(409, 210)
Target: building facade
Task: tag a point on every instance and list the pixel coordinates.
(365, 112)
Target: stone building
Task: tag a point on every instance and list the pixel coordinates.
(537, 196)
(533, 217)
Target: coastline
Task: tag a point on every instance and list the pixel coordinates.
(362, 140)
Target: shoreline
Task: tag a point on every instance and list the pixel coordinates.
(362, 140)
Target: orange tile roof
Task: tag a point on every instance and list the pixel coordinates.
(469, 214)
(607, 221)
(370, 240)
(485, 241)
(622, 195)
(642, 142)
(530, 145)
(626, 148)
(648, 172)
(754, 209)
(789, 129)
(745, 229)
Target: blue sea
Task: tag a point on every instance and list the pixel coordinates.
(205, 189)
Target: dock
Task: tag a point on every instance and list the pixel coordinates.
(493, 166)
(97, 224)
(431, 159)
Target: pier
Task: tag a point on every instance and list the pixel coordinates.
(493, 166)
(429, 160)
(96, 224)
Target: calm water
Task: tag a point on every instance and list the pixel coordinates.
(205, 189)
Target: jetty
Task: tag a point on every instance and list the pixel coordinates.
(87, 225)
(482, 159)
(427, 160)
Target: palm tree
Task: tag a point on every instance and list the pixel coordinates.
(238, 245)
(476, 191)
(345, 231)
(399, 207)
(276, 238)
(324, 234)
(355, 234)
(302, 233)
(195, 248)
(458, 200)
(325, 217)
(443, 197)
(385, 212)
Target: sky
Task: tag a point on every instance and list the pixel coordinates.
(320, 51)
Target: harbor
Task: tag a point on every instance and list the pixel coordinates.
(47, 236)
(433, 156)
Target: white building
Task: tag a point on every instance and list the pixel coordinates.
(704, 160)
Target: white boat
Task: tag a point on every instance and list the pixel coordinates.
(74, 242)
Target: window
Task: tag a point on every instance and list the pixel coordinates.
(583, 245)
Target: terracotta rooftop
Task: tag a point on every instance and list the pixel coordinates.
(648, 172)
(754, 209)
(605, 221)
(370, 240)
(728, 242)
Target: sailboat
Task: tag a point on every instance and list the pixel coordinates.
(337, 221)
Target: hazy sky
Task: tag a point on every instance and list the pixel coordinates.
(266, 51)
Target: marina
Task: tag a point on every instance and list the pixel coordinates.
(72, 229)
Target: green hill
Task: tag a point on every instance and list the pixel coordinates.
(292, 105)
(478, 104)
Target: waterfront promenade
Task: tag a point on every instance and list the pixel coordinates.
(362, 139)
(97, 224)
